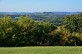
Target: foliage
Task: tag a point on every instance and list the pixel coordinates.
(27, 32)
(73, 23)
(55, 20)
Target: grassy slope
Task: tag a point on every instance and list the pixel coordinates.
(41, 50)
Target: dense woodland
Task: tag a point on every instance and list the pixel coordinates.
(28, 32)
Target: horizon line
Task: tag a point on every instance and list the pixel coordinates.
(40, 11)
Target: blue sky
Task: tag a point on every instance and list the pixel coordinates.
(40, 5)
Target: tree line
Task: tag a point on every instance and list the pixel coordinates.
(27, 32)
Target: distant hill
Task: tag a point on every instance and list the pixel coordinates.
(38, 13)
(54, 17)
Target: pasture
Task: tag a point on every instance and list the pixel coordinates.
(42, 50)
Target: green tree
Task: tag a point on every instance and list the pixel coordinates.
(40, 33)
(73, 23)
(6, 30)
(24, 26)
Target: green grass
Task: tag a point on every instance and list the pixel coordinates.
(41, 50)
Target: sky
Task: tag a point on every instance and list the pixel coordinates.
(40, 5)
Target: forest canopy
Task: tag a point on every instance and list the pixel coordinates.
(27, 32)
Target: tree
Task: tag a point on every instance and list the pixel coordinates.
(24, 26)
(55, 20)
(73, 23)
(40, 33)
(6, 30)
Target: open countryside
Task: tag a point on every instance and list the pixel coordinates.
(40, 27)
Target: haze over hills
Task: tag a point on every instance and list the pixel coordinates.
(38, 13)
(39, 16)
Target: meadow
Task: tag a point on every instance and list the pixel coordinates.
(42, 50)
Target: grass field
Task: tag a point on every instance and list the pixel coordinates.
(41, 50)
